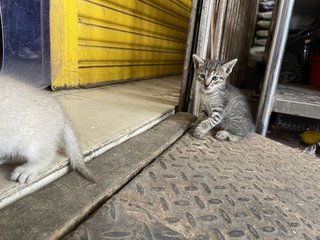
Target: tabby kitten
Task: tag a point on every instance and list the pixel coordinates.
(222, 106)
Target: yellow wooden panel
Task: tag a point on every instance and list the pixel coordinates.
(64, 43)
(148, 12)
(116, 19)
(131, 34)
(114, 40)
(172, 7)
(89, 55)
(126, 39)
(184, 3)
(105, 74)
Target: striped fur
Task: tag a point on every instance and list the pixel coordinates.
(222, 106)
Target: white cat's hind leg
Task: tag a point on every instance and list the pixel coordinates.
(224, 135)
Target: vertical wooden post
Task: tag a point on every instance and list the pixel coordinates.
(232, 32)
(202, 49)
(228, 26)
(184, 94)
(217, 27)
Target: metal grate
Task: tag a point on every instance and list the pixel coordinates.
(255, 189)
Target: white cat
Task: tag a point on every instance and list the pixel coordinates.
(32, 123)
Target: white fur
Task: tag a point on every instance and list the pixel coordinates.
(32, 123)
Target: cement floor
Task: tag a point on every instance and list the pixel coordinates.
(103, 118)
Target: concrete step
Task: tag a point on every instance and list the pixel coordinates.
(57, 208)
(103, 118)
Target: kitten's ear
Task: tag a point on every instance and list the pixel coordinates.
(197, 61)
(228, 66)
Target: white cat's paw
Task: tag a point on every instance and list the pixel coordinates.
(23, 174)
(198, 133)
(222, 135)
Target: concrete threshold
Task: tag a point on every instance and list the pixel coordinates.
(103, 117)
(59, 207)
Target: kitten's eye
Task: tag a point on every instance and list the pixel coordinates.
(202, 76)
(215, 78)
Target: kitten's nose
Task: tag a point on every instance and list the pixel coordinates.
(206, 84)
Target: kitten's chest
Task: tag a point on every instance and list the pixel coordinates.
(210, 101)
(205, 101)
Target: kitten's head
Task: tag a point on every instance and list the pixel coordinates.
(212, 72)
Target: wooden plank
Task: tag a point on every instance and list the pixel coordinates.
(230, 38)
(186, 78)
(54, 210)
(297, 100)
(232, 33)
(213, 26)
(218, 32)
(202, 51)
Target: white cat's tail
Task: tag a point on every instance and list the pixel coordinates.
(74, 153)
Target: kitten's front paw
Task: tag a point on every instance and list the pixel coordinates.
(23, 174)
(193, 125)
(198, 133)
(222, 135)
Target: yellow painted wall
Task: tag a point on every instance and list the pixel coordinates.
(96, 41)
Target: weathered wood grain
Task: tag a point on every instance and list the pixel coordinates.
(52, 211)
(232, 33)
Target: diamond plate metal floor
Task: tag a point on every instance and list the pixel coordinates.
(206, 189)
